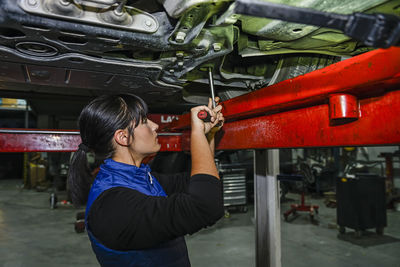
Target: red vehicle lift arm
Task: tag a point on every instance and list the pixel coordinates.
(353, 102)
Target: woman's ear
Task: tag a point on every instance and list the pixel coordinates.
(122, 137)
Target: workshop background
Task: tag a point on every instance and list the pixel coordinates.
(309, 155)
(354, 192)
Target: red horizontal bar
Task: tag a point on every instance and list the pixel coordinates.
(378, 124)
(34, 140)
(366, 75)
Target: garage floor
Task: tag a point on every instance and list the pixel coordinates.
(31, 234)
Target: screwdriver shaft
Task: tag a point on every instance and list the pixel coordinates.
(211, 82)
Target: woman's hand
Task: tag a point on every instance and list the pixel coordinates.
(216, 116)
(219, 119)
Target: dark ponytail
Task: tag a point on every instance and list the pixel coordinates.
(98, 122)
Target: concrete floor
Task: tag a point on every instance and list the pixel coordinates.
(31, 234)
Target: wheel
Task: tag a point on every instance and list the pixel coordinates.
(283, 190)
(342, 230)
(288, 67)
(379, 230)
(80, 226)
(285, 216)
(292, 66)
(243, 209)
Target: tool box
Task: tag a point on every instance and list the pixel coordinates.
(234, 186)
(361, 203)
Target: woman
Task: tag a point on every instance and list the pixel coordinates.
(132, 217)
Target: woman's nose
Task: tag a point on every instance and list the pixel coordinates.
(154, 125)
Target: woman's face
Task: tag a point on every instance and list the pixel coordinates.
(145, 140)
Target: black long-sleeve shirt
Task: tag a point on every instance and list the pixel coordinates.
(125, 219)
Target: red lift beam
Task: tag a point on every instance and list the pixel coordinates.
(34, 140)
(354, 102)
(311, 127)
(366, 75)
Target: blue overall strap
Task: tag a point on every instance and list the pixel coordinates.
(117, 174)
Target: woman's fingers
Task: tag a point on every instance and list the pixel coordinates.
(219, 119)
(212, 113)
(222, 120)
(218, 108)
(215, 116)
(200, 108)
(216, 99)
(197, 109)
(210, 102)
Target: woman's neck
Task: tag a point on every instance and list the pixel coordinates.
(127, 157)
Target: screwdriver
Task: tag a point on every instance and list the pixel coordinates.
(204, 115)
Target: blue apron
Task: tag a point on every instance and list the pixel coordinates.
(115, 174)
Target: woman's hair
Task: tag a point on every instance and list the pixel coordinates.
(98, 122)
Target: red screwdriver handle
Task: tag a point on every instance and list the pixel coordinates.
(204, 116)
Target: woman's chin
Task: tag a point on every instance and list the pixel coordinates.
(159, 147)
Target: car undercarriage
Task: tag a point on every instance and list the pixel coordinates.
(161, 50)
